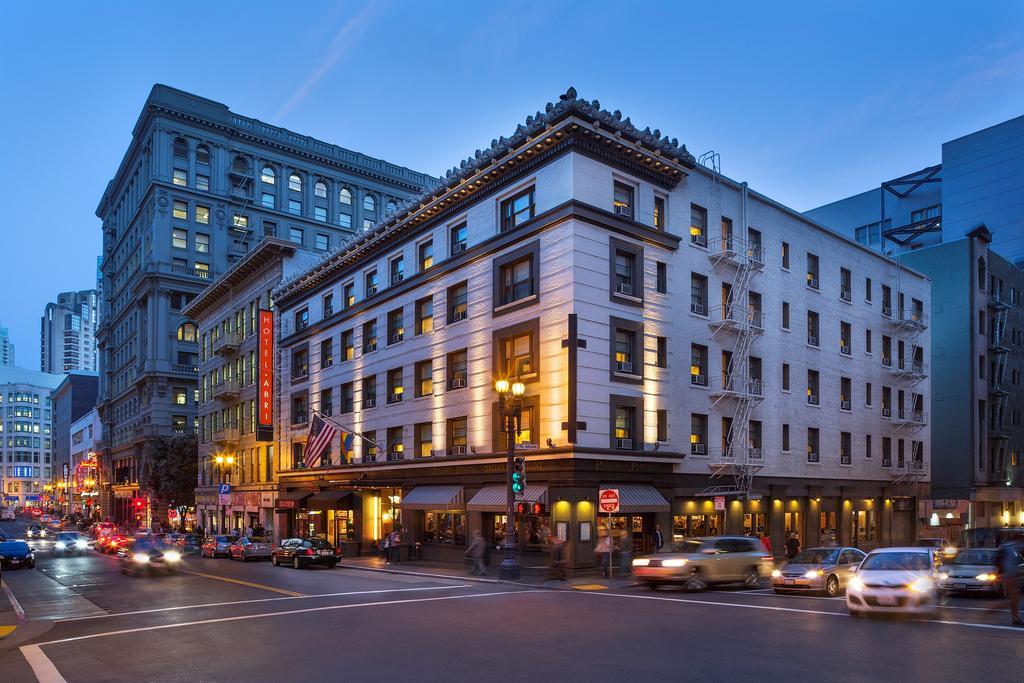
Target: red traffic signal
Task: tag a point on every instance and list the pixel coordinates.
(524, 508)
(139, 503)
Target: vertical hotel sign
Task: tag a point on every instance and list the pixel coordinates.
(265, 351)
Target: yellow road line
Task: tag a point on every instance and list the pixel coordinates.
(591, 587)
(244, 583)
(6, 631)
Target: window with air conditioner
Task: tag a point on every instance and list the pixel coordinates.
(622, 199)
(698, 434)
(698, 294)
(457, 369)
(698, 225)
(627, 350)
(457, 429)
(812, 271)
(370, 283)
(369, 336)
(698, 365)
(396, 326)
(624, 432)
(458, 238)
(369, 390)
(626, 275)
(458, 302)
(424, 378)
(397, 269)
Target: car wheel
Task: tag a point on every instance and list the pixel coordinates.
(652, 585)
(332, 565)
(832, 586)
(295, 563)
(751, 578)
(695, 582)
(273, 560)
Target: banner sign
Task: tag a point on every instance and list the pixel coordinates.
(265, 351)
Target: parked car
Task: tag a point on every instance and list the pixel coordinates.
(300, 553)
(190, 543)
(7, 515)
(974, 570)
(217, 545)
(103, 529)
(895, 580)
(70, 542)
(17, 554)
(697, 563)
(146, 555)
(826, 570)
(250, 548)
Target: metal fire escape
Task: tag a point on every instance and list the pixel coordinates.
(998, 352)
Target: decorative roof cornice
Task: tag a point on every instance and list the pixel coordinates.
(268, 250)
(571, 120)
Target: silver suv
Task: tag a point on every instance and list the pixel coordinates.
(697, 563)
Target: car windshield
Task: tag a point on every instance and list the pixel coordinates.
(896, 561)
(146, 544)
(688, 547)
(976, 556)
(67, 537)
(225, 539)
(816, 556)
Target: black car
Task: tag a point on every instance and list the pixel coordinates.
(16, 554)
(300, 553)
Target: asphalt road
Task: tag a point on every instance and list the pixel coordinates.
(226, 621)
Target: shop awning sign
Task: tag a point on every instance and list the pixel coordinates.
(608, 500)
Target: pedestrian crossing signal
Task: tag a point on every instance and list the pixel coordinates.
(519, 476)
(524, 508)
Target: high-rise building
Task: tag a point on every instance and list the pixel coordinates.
(27, 447)
(67, 333)
(6, 349)
(197, 189)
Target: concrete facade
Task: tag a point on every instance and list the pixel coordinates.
(73, 398)
(67, 333)
(27, 446)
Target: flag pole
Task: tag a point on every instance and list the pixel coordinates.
(336, 423)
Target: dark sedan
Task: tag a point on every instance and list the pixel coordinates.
(300, 553)
(16, 554)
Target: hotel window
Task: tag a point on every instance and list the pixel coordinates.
(202, 243)
(622, 199)
(369, 336)
(458, 236)
(785, 255)
(926, 213)
(268, 176)
(867, 341)
(698, 434)
(320, 189)
(369, 442)
(326, 353)
(323, 242)
(180, 148)
(344, 220)
(300, 409)
(397, 270)
(348, 296)
(424, 378)
(845, 457)
(785, 438)
(627, 349)
(886, 351)
(867, 394)
(396, 389)
(369, 391)
(180, 396)
(886, 402)
(425, 315)
(698, 294)
(458, 431)
(458, 302)
(187, 332)
(813, 385)
(326, 402)
(845, 338)
(785, 315)
(517, 210)
(661, 280)
(295, 207)
(812, 271)
(845, 285)
(179, 238)
(785, 376)
(328, 304)
(180, 177)
(369, 203)
(516, 277)
(302, 319)
(698, 225)
(202, 182)
(180, 209)
(662, 352)
(425, 255)
(845, 393)
(370, 283)
(867, 289)
(269, 229)
(699, 365)
(626, 427)
(812, 329)
(295, 182)
(396, 326)
(396, 443)
(347, 399)
(516, 354)
(300, 362)
(812, 444)
(424, 435)
(662, 425)
(202, 214)
(320, 213)
(295, 235)
(457, 372)
(627, 276)
(659, 212)
(348, 347)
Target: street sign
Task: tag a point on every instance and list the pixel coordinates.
(172, 515)
(224, 494)
(720, 503)
(608, 500)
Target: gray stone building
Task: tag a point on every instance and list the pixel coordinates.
(197, 189)
(67, 333)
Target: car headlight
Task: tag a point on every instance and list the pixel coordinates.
(813, 573)
(986, 577)
(943, 576)
(61, 545)
(172, 556)
(81, 544)
(673, 563)
(641, 562)
(922, 585)
(141, 558)
(776, 574)
(855, 585)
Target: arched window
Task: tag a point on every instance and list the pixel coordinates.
(180, 148)
(268, 176)
(392, 206)
(320, 189)
(345, 196)
(295, 182)
(240, 165)
(188, 332)
(203, 155)
(369, 203)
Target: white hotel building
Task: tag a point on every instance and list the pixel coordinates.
(681, 337)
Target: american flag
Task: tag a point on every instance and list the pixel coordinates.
(320, 435)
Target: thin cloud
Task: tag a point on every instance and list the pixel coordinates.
(347, 37)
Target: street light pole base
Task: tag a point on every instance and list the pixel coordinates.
(509, 570)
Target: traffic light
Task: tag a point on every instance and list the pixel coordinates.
(519, 476)
(538, 509)
(522, 508)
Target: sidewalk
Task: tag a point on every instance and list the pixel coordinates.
(532, 576)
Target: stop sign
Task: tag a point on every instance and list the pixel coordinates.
(608, 500)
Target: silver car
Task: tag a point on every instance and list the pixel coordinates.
(250, 548)
(974, 570)
(825, 570)
(697, 563)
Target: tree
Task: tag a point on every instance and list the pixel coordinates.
(173, 468)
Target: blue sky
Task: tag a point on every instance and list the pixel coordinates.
(808, 103)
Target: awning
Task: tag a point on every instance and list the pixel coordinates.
(296, 494)
(495, 498)
(639, 498)
(331, 500)
(433, 498)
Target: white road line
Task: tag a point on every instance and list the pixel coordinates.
(286, 613)
(772, 608)
(42, 667)
(14, 601)
(246, 602)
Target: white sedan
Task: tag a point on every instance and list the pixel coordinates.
(894, 580)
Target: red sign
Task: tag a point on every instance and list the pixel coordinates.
(265, 351)
(608, 500)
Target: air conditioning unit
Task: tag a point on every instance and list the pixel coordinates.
(886, 412)
(624, 366)
(812, 400)
(396, 398)
(845, 295)
(369, 403)
(397, 337)
(812, 282)
(699, 309)
(812, 456)
(698, 448)
(887, 310)
(624, 288)
(626, 444)
(370, 291)
(702, 380)
(845, 350)
(458, 248)
(887, 361)
(458, 382)
(698, 238)
(812, 340)
(459, 315)
(623, 210)
(457, 450)
(844, 405)
(396, 278)
(372, 346)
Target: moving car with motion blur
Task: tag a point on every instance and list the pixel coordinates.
(250, 548)
(300, 553)
(974, 570)
(823, 570)
(70, 543)
(895, 580)
(35, 531)
(944, 549)
(148, 556)
(110, 544)
(217, 546)
(697, 563)
(17, 554)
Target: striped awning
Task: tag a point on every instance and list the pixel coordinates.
(495, 498)
(639, 498)
(433, 498)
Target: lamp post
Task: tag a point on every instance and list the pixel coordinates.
(510, 408)
(223, 462)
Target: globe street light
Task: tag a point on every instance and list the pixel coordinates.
(510, 408)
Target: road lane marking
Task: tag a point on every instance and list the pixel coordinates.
(14, 601)
(243, 583)
(256, 600)
(591, 587)
(42, 667)
(264, 615)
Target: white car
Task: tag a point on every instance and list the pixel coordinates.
(894, 580)
(7, 515)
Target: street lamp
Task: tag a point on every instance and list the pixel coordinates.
(510, 408)
(223, 463)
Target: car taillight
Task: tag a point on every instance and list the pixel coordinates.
(337, 551)
(308, 551)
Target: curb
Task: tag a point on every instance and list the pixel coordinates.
(475, 579)
(8, 630)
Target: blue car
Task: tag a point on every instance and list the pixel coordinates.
(16, 554)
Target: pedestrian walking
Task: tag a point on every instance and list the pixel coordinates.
(765, 541)
(657, 539)
(604, 554)
(792, 546)
(1009, 577)
(557, 568)
(394, 545)
(475, 552)
(385, 548)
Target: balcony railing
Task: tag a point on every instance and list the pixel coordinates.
(226, 435)
(737, 386)
(736, 317)
(227, 344)
(226, 390)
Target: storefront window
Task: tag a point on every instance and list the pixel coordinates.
(793, 524)
(444, 528)
(340, 527)
(862, 526)
(829, 533)
(688, 526)
(755, 524)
